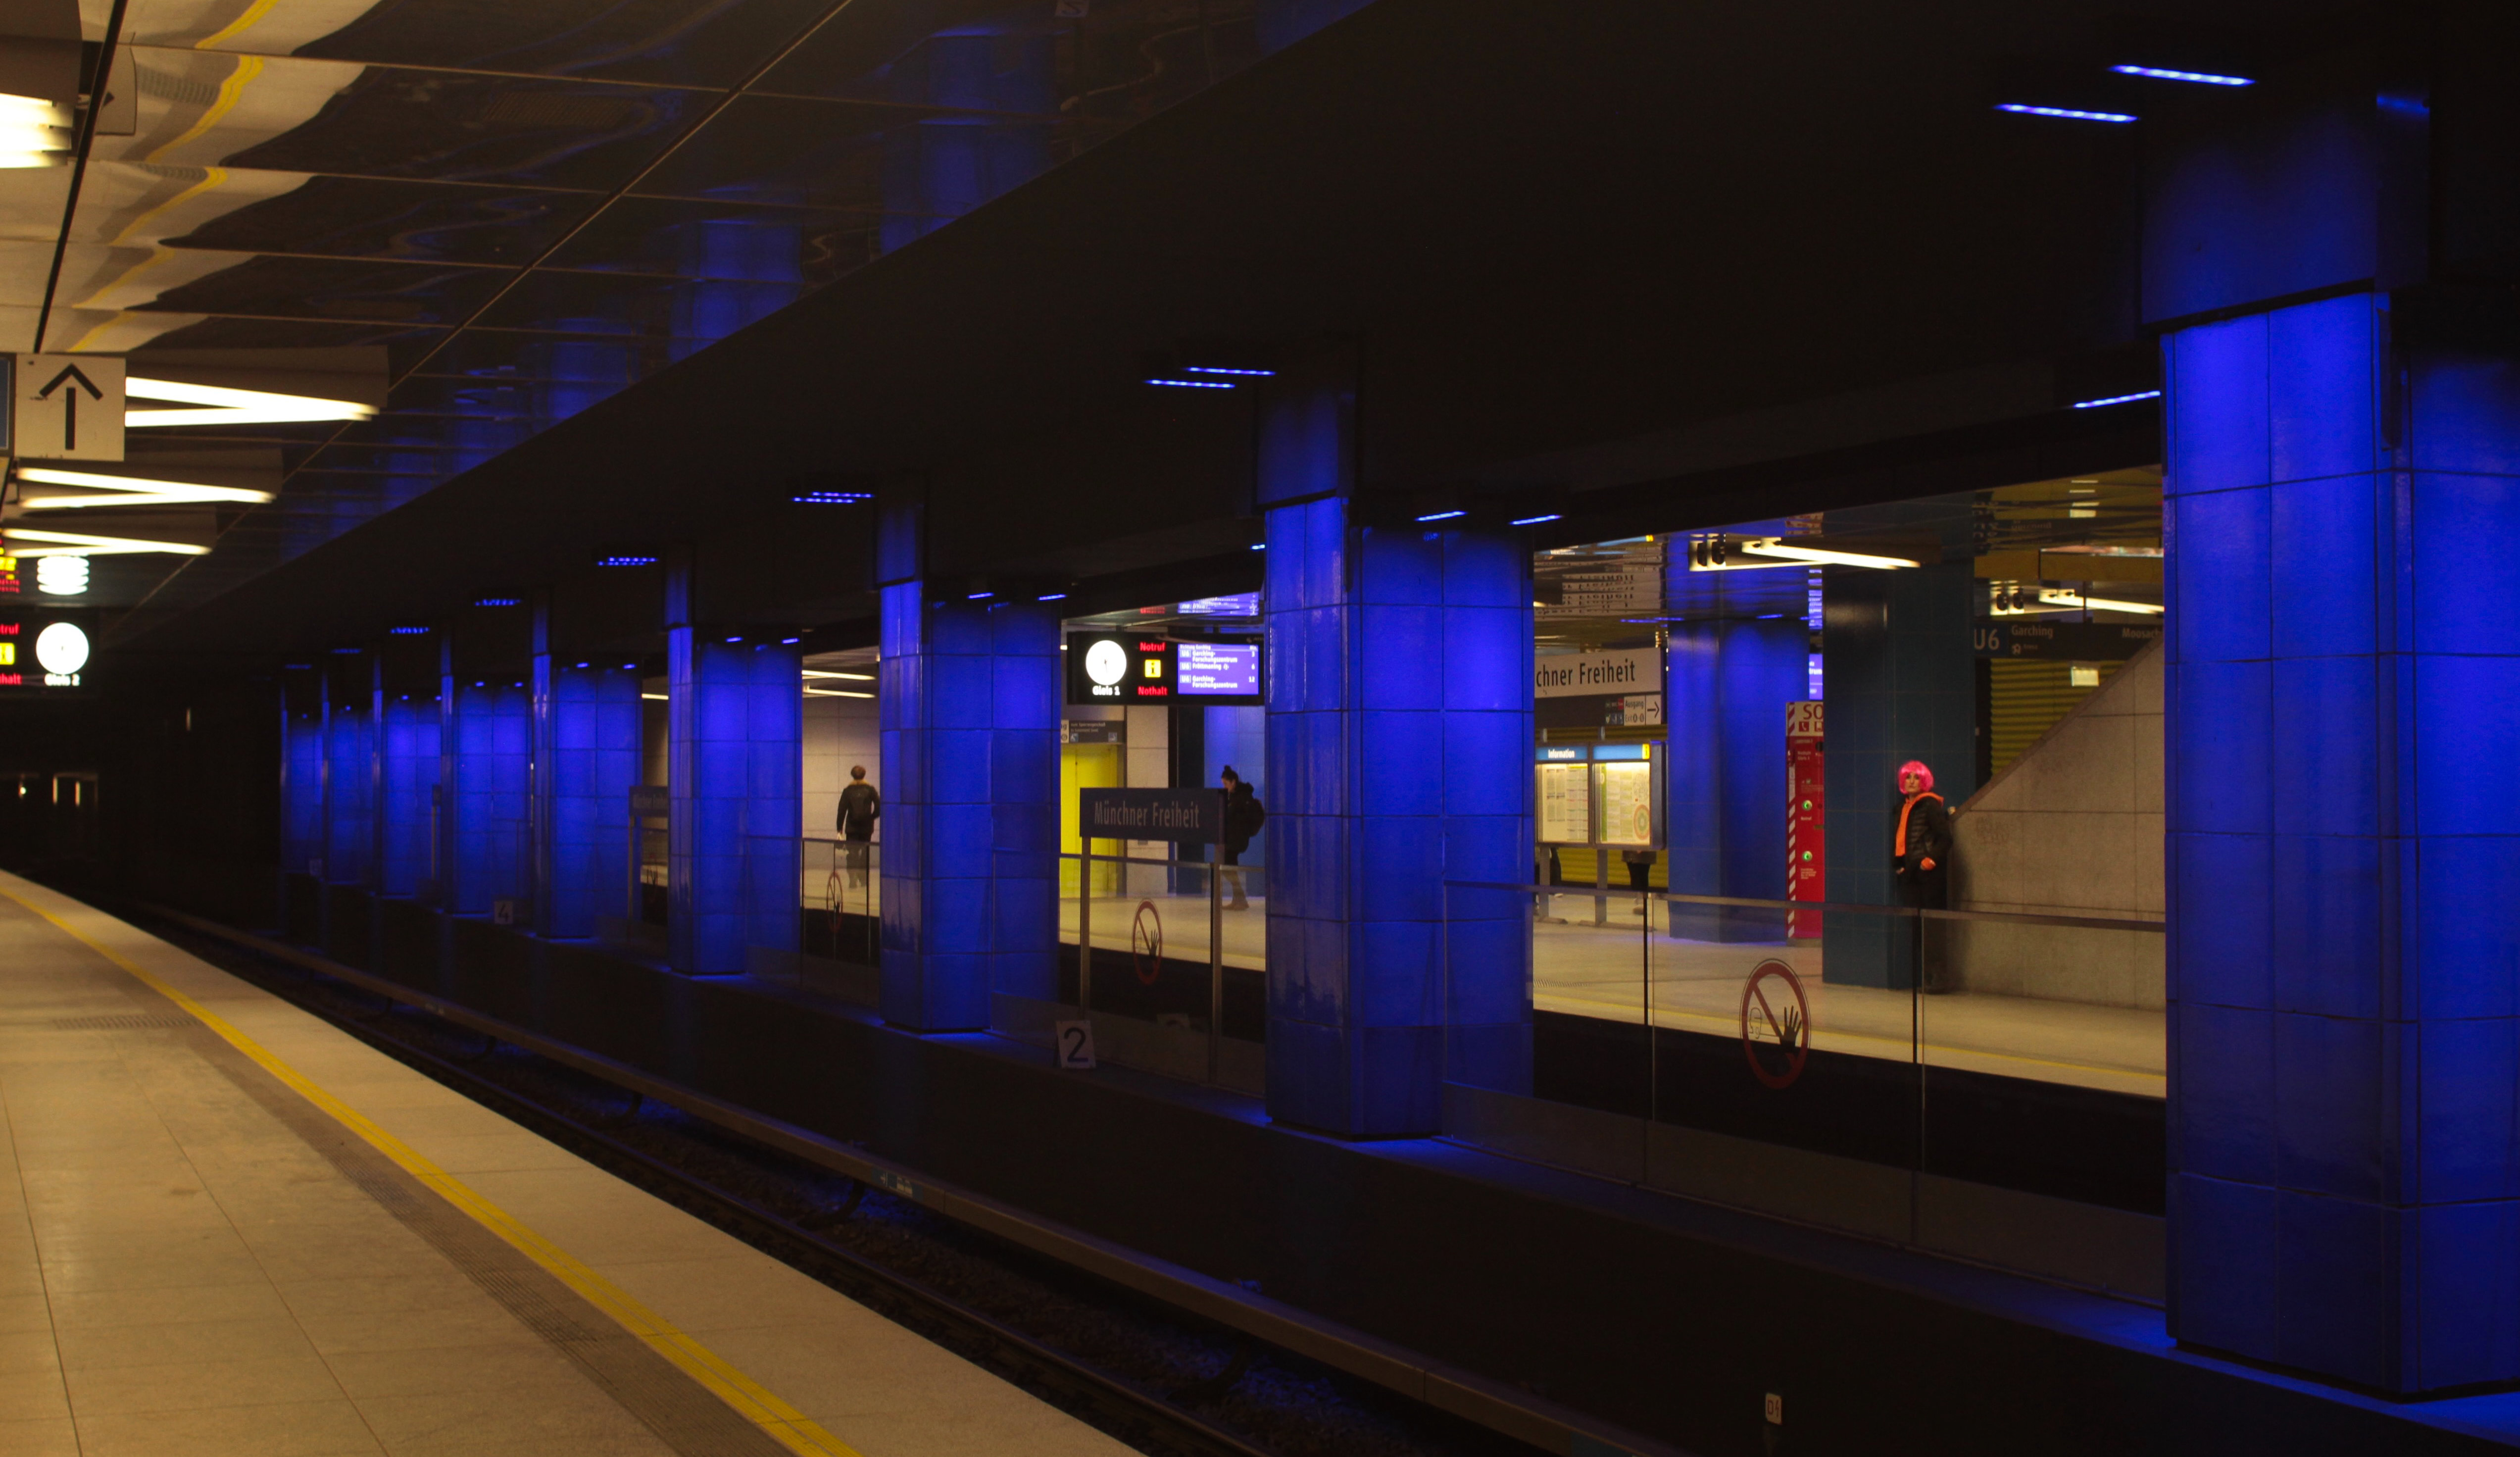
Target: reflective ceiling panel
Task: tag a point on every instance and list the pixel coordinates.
(525, 208)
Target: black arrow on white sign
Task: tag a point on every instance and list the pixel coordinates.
(70, 401)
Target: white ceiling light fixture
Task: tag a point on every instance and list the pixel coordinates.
(816, 673)
(835, 693)
(33, 132)
(220, 405)
(129, 491)
(1770, 546)
(2060, 597)
(61, 577)
(81, 544)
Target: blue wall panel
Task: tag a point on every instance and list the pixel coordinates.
(407, 761)
(735, 725)
(492, 757)
(593, 763)
(350, 792)
(301, 824)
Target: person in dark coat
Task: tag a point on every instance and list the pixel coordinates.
(1243, 816)
(860, 807)
(1921, 859)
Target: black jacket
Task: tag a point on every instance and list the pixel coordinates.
(860, 807)
(1243, 816)
(1929, 838)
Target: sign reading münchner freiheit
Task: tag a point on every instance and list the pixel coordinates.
(1194, 816)
(1576, 674)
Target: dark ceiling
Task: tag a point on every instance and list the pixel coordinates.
(529, 207)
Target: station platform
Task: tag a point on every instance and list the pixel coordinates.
(226, 1226)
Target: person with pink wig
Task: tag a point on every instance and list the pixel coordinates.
(1920, 857)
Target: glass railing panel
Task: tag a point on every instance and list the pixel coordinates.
(2046, 1053)
(1788, 1028)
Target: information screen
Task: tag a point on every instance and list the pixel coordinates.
(1217, 669)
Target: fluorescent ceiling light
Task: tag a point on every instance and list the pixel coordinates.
(1193, 384)
(2065, 113)
(1533, 520)
(15, 160)
(658, 696)
(2200, 78)
(1442, 516)
(1213, 369)
(136, 491)
(76, 543)
(225, 406)
(835, 693)
(2061, 597)
(816, 673)
(1771, 547)
(2117, 399)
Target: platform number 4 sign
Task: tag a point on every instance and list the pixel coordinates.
(1074, 1041)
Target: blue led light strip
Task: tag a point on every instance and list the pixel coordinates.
(2116, 400)
(1442, 516)
(1217, 369)
(1194, 383)
(1533, 520)
(2200, 78)
(2067, 113)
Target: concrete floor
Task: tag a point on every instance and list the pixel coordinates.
(275, 1241)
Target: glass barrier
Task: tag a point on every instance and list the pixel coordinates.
(2005, 1048)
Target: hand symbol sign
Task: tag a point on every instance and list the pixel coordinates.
(1789, 1031)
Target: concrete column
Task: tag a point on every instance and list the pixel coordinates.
(1901, 685)
(2343, 717)
(1399, 735)
(970, 703)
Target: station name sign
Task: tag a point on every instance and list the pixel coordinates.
(1194, 816)
(1594, 674)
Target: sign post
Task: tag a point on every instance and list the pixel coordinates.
(1805, 817)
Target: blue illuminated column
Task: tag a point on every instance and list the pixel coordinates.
(589, 720)
(406, 785)
(2344, 816)
(488, 737)
(1725, 782)
(349, 783)
(970, 699)
(1400, 745)
(735, 726)
(302, 777)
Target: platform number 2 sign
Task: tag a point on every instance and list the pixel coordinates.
(1074, 1041)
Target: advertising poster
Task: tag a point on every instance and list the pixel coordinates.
(1627, 804)
(1805, 817)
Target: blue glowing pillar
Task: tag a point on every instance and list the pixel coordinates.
(590, 764)
(406, 787)
(2344, 817)
(490, 750)
(1725, 782)
(1400, 741)
(969, 700)
(302, 784)
(735, 748)
(349, 781)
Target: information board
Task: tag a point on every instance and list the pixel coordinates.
(1211, 671)
(1627, 802)
(1566, 804)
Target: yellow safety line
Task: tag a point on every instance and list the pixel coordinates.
(755, 1402)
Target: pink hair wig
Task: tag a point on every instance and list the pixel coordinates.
(1917, 769)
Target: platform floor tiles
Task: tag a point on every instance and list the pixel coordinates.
(226, 1227)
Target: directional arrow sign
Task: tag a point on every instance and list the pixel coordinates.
(69, 407)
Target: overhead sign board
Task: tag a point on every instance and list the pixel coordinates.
(1136, 667)
(2089, 642)
(69, 407)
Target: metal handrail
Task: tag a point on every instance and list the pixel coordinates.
(2010, 918)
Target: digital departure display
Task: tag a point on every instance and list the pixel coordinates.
(1217, 669)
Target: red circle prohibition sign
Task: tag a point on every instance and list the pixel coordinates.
(1147, 942)
(1775, 1032)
